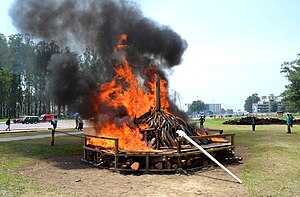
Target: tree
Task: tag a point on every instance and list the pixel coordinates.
(22, 62)
(26, 78)
(274, 106)
(249, 101)
(196, 107)
(291, 96)
(44, 51)
(5, 77)
(90, 63)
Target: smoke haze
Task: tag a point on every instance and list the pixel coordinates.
(98, 25)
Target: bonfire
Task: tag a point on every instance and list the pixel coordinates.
(137, 112)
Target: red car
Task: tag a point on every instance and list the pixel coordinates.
(46, 117)
(17, 120)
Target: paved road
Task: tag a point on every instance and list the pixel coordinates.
(18, 127)
(38, 136)
(15, 127)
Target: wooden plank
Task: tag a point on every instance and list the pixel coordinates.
(98, 150)
(196, 152)
(101, 137)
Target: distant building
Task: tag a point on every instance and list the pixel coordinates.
(264, 104)
(215, 108)
(229, 111)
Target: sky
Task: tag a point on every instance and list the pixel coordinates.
(235, 47)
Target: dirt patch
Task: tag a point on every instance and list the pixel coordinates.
(70, 175)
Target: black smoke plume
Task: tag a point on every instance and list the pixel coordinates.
(68, 83)
(97, 24)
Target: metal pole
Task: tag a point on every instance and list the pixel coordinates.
(52, 137)
(183, 134)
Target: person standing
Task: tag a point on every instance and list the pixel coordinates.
(80, 124)
(8, 124)
(54, 123)
(76, 120)
(288, 123)
(253, 122)
(292, 120)
(202, 119)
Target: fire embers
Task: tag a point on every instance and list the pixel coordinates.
(159, 129)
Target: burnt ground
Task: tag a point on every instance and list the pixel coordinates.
(71, 177)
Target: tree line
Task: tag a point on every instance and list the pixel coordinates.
(25, 75)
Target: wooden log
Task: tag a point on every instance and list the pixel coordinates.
(175, 166)
(163, 126)
(152, 141)
(124, 166)
(159, 165)
(170, 139)
(168, 164)
(186, 146)
(135, 166)
(145, 135)
(188, 162)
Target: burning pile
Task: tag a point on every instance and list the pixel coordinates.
(126, 97)
(161, 127)
(120, 101)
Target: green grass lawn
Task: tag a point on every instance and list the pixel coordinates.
(37, 132)
(271, 163)
(17, 154)
(270, 166)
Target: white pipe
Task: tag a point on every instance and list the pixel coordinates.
(183, 134)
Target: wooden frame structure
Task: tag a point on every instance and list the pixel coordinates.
(181, 157)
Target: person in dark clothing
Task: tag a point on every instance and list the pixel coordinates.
(54, 123)
(80, 124)
(76, 121)
(202, 120)
(292, 120)
(8, 124)
(253, 122)
(288, 123)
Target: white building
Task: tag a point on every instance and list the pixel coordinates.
(264, 104)
(215, 108)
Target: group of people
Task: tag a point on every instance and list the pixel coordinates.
(78, 122)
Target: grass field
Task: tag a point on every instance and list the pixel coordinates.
(270, 166)
(32, 133)
(271, 163)
(28, 152)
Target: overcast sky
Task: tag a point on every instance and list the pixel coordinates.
(235, 47)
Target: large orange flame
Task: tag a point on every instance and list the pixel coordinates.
(120, 101)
